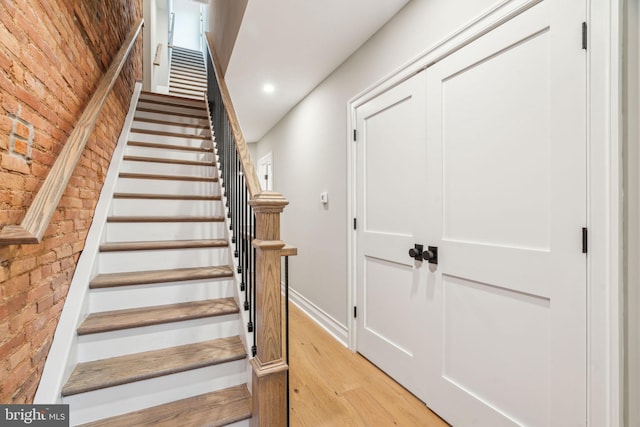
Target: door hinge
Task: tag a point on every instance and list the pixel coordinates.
(584, 35)
(355, 224)
(585, 240)
(355, 312)
(355, 135)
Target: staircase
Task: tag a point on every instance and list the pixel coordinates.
(187, 75)
(161, 345)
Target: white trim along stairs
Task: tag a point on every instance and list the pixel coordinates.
(163, 343)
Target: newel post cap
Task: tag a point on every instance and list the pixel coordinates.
(268, 202)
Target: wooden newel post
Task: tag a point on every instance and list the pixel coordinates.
(269, 366)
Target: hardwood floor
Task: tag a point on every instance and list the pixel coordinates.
(331, 386)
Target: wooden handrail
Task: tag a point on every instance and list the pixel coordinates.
(249, 171)
(39, 214)
(156, 60)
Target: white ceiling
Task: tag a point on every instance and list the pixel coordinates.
(294, 45)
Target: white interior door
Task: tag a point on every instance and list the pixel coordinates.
(506, 173)
(391, 286)
(265, 172)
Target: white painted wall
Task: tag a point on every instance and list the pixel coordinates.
(149, 9)
(309, 144)
(187, 27)
(161, 35)
(633, 213)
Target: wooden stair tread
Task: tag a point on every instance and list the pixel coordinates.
(163, 133)
(171, 113)
(170, 123)
(169, 146)
(110, 280)
(168, 161)
(137, 317)
(163, 244)
(194, 92)
(164, 196)
(214, 409)
(177, 101)
(176, 218)
(187, 84)
(145, 95)
(120, 370)
(166, 177)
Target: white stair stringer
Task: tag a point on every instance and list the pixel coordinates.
(163, 216)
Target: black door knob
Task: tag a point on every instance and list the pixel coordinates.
(419, 254)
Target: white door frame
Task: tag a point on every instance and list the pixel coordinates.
(632, 210)
(604, 276)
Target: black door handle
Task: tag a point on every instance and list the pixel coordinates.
(419, 254)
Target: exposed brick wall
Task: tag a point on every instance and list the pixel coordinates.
(52, 56)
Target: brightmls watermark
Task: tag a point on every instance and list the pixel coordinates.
(34, 415)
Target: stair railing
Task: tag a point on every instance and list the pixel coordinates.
(45, 203)
(255, 225)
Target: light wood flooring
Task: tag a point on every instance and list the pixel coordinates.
(331, 386)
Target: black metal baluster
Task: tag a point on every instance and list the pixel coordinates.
(254, 349)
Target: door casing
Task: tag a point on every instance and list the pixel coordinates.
(605, 364)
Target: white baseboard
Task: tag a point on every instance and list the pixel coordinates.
(61, 356)
(326, 322)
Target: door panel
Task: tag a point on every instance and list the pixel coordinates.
(391, 286)
(506, 156)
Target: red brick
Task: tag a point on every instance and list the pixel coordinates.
(20, 355)
(22, 265)
(16, 377)
(44, 303)
(16, 286)
(10, 346)
(15, 164)
(11, 181)
(22, 131)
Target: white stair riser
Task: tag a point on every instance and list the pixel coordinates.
(155, 168)
(112, 401)
(171, 154)
(127, 207)
(173, 109)
(171, 140)
(124, 297)
(131, 232)
(164, 99)
(175, 128)
(162, 186)
(243, 423)
(136, 340)
(172, 118)
(120, 262)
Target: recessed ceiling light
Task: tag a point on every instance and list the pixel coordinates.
(269, 88)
